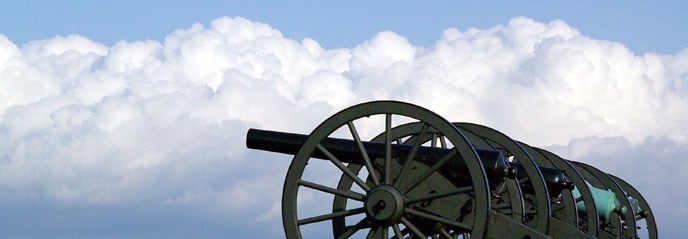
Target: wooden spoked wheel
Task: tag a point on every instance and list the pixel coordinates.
(599, 179)
(645, 213)
(506, 195)
(389, 204)
(589, 221)
(537, 202)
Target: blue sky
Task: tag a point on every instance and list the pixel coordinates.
(127, 119)
(641, 26)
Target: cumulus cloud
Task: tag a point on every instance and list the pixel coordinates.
(163, 123)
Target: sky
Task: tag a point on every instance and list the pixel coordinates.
(128, 119)
(641, 26)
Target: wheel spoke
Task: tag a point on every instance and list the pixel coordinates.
(411, 155)
(353, 229)
(397, 231)
(439, 195)
(443, 142)
(372, 233)
(433, 142)
(344, 169)
(558, 207)
(445, 234)
(348, 194)
(501, 206)
(330, 216)
(385, 232)
(438, 219)
(429, 172)
(412, 227)
(388, 148)
(364, 153)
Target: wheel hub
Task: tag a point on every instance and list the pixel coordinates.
(384, 203)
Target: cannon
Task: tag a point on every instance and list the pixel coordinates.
(425, 177)
(493, 161)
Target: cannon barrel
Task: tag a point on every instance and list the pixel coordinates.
(555, 180)
(495, 165)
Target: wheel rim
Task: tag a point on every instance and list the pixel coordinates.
(496, 139)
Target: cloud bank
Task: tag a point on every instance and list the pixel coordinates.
(146, 139)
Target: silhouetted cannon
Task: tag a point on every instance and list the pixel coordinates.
(496, 166)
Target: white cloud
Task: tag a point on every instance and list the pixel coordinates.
(164, 122)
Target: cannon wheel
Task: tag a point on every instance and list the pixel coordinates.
(563, 205)
(645, 211)
(496, 139)
(409, 133)
(385, 203)
(629, 230)
(592, 222)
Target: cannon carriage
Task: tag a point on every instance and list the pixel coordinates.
(425, 177)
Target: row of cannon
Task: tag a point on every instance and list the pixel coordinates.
(426, 177)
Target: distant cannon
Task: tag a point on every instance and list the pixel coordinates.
(428, 178)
